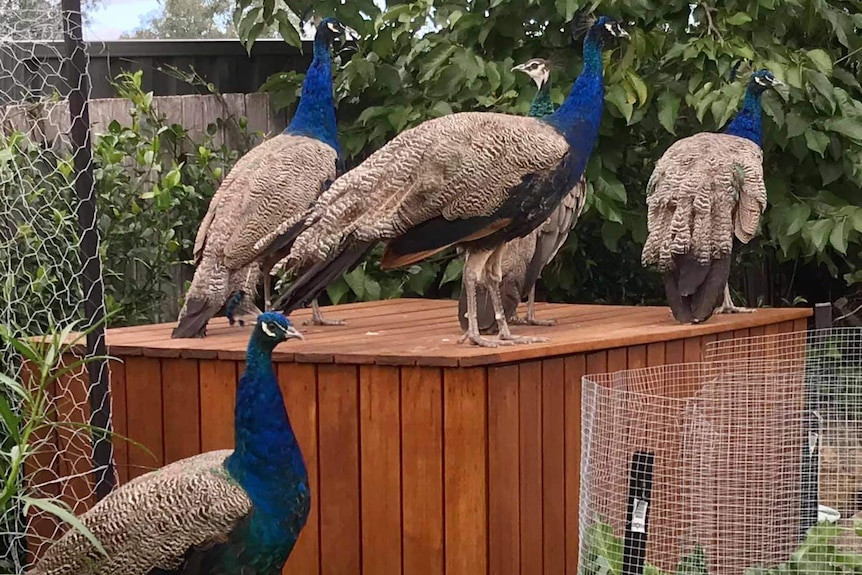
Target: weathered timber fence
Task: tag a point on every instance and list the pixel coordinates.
(224, 63)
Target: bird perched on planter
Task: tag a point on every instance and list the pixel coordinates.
(704, 190)
(525, 258)
(223, 512)
(251, 220)
(471, 179)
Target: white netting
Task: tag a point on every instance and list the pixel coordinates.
(41, 274)
(738, 458)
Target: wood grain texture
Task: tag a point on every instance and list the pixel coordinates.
(74, 440)
(338, 404)
(504, 519)
(298, 383)
(553, 466)
(181, 407)
(575, 367)
(530, 389)
(380, 464)
(144, 414)
(218, 381)
(422, 470)
(118, 419)
(465, 473)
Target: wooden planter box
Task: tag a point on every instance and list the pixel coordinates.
(426, 457)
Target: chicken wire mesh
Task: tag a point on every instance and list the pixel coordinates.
(748, 462)
(43, 278)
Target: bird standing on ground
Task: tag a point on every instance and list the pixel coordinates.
(222, 512)
(251, 220)
(704, 190)
(525, 258)
(471, 179)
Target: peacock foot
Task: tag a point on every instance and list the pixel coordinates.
(734, 309)
(324, 321)
(477, 339)
(523, 339)
(526, 320)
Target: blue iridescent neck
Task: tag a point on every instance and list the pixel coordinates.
(266, 454)
(580, 115)
(748, 122)
(315, 115)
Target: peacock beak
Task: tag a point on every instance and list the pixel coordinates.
(292, 333)
(519, 67)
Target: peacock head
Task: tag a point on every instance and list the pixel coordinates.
(761, 81)
(605, 27)
(330, 28)
(273, 328)
(537, 69)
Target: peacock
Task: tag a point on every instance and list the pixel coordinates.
(253, 216)
(704, 190)
(471, 179)
(222, 512)
(525, 258)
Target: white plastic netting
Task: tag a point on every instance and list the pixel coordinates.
(749, 462)
(42, 287)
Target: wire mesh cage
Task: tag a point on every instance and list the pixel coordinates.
(749, 460)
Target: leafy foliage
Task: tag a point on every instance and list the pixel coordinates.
(423, 59)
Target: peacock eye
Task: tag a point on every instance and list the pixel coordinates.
(267, 329)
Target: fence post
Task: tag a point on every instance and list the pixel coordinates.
(91, 279)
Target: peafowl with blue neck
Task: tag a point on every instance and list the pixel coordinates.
(220, 513)
(471, 179)
(254, 216)
(525, 258)
(704, 190)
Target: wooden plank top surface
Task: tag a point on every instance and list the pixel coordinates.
(425, 332)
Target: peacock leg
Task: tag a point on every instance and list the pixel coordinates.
(728, 307)
(494, 270)
(531, 318)
(474, 266)
(318, 319)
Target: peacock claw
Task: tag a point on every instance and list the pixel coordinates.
(523, 339)
(532, 321)
(734, 309)
(483, 341)
(324, 322)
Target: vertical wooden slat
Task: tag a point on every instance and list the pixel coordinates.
(380, 465)
(575, 368)
(338, 456)
(553, 466)
(637, 357)
(218, 380)
(181, 400)
(691, 349)
(800, 325)
(674, 352)
(74, 441)
(298, 382)
(422, 470)
(532, 551)
(617, 359)
(118, 419)
(465, 460)
(597, 362)
(144, 414)
(503, 471)
(655, 354)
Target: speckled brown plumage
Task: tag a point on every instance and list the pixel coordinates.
(458, 166)
(704, 190)
(196, 503)
(266, 193)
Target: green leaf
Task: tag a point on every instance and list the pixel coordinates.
(668, 110)
(797, 215)
(9, 420)
(616, 95)
(856, 220)
(850, 127)
(796, 125)
(739, 19)
(611, 234)
(819, 233)
(337, 290)
(838, 237)
(66, 516)
(356, 280)
(440, 109)
(639, 87)
(821, 60)
(287, 30)
(816, 141)
(453, 271)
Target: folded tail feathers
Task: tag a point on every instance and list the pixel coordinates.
(193, 323)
